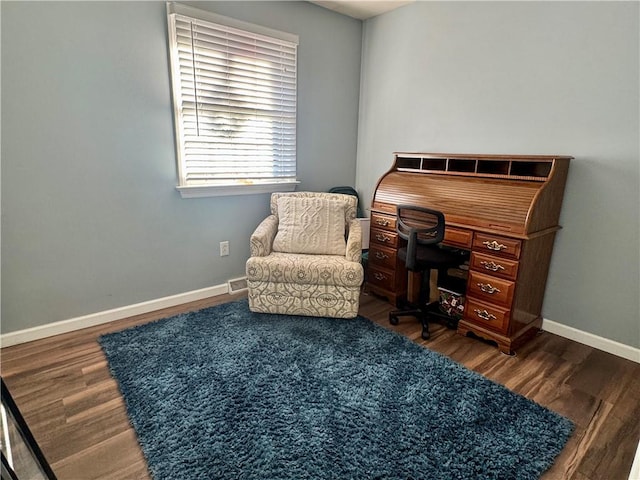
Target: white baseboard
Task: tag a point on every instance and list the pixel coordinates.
(586, 338)
(64, 326)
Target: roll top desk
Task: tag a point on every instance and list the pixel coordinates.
(503, 209)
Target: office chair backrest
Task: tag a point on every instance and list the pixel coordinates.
(345, 190)
(419, 226)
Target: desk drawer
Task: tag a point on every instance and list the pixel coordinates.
(495, 245)
(382, 277)
(491, 289)
(458, 237)
(496, 266)
(385, 222)
(383, 237)
(489, 316)
(389, 208)
(382, 256)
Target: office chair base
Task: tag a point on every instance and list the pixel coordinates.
(431, 312)
(417, 313)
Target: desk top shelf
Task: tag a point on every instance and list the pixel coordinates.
(515, 167)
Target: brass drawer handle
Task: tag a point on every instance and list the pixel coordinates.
(383, 223)
(381, 256)
(382, 238)
(483, 314)
(494, 267)
(379, 276)
(494, 245)
(488, 288)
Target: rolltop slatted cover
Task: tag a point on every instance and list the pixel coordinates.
(504, 202)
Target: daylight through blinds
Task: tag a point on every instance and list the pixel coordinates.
(235, 103)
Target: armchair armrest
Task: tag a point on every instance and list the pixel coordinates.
(354, 242)
(261, 240)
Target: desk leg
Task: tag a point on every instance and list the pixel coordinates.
(506, 344)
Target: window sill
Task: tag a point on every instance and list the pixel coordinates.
(200, 191)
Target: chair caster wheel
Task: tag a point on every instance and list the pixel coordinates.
(426, 335)
(393, 320)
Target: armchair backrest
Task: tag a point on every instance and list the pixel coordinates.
(351, 202)
(314, 222)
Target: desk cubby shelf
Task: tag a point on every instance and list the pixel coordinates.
(528, 168)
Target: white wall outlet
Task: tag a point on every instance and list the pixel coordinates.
(224, 248)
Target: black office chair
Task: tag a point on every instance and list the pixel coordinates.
(346, 190)
(423, 229)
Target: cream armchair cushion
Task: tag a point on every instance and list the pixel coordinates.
(305, 283)
(310, 225)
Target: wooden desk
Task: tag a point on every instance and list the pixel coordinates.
(504, 209)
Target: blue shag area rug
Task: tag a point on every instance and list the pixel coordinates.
(224, 393)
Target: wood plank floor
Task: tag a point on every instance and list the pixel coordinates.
(73, 406)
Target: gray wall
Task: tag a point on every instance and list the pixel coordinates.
(91, 219)
(530, 78)
(90, 216)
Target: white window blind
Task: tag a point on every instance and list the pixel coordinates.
(234, 93)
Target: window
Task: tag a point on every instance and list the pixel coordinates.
(234, 97)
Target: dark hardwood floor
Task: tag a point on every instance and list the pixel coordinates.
(73, 406)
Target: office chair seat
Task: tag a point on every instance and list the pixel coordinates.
(428, 258)
(423, 229)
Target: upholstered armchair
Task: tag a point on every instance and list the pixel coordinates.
(306, 257)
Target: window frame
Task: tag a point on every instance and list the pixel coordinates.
(218, 188)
